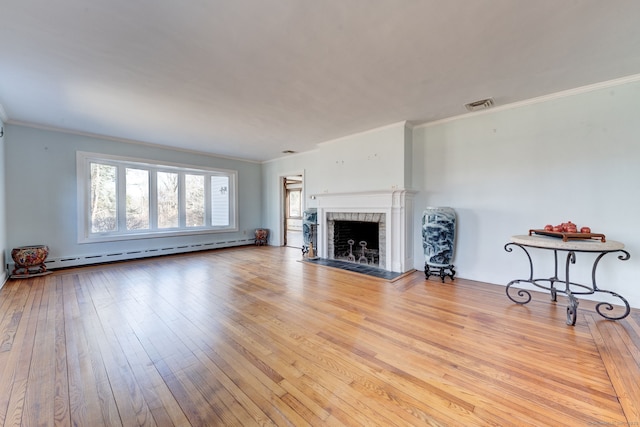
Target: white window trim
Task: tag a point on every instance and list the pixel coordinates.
(83, 178)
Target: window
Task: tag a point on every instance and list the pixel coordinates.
(167, 200)
(219, 201)
(103, 211)
(123, 198)
(137, 195)
(294, 202)
(194, 190)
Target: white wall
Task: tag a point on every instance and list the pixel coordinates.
(571, 158)
(40, 167)
(368, 161)
(372, 160)
(4, 246)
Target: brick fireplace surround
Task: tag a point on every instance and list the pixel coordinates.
(393, 209)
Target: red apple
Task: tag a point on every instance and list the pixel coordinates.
(557, 228)
(548, 227)
(585, 230)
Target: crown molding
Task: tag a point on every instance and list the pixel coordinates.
(127, 141)
(544, 98)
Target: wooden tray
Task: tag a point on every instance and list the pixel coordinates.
(570, 236)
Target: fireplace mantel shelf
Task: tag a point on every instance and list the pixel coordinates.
(363, 193)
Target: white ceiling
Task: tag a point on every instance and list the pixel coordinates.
(251, 78)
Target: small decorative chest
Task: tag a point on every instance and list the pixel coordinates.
(262, 234)
(29, 260)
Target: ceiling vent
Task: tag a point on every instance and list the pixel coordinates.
(479, 105)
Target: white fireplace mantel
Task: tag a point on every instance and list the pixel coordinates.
(396, 204)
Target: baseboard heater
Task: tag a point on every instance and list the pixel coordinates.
(75, 261)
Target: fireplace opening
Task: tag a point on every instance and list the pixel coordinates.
(356, 241)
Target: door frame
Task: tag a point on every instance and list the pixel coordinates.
(282, 202)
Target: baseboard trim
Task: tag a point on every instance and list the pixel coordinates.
(83, 260)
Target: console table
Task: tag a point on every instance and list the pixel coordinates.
(571, 289)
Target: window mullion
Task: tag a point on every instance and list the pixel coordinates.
(232, 205)
(207, 200)
(121, 197)
(153, 199)
(86, 191)
(182, 200)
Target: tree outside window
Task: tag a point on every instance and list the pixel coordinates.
(167, 200)
(194, 190)
(137, 199)
(104, 212)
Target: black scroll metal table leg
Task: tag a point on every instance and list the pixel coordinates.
(554, 279)
(523, 294)
(572, 308)
(605, 305)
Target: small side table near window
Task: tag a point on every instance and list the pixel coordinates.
(571, 248)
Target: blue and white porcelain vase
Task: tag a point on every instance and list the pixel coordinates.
(438, 240)
(309, 219)
(309, 231)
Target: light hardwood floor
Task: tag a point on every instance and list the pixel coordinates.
(252, 336)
